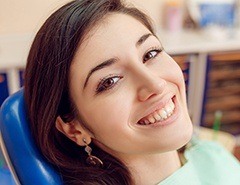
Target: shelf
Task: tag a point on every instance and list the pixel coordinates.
(223, 91)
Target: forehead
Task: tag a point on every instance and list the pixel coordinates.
(113, 31)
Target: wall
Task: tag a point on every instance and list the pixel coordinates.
(26, 16)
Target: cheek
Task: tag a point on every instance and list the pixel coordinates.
(169, 70)
(178, 79)
(175, 69)
(176, 74)
(108, 114)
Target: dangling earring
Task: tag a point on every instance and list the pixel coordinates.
(91, 160)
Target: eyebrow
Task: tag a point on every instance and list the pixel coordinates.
(112, 61)
(142, 39)
(98, 67)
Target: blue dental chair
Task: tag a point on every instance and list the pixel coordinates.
(25, 162)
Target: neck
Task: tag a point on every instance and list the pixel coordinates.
(152, 169)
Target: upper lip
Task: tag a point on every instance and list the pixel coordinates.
(156, 105)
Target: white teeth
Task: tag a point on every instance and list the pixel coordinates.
(171, 104)
(168, 109)
(156, 116)
(163, 113)
(151, 119)
(159, 115)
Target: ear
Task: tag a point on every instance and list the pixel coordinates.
(73, 130)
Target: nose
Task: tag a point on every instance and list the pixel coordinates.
(150, 85)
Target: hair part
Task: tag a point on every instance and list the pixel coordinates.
(47, 90)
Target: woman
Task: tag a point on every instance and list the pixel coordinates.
(106, 103)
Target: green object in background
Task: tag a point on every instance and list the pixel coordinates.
(217, 123)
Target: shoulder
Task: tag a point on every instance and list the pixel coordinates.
(211, 161)
(202, 147)
(210, 151)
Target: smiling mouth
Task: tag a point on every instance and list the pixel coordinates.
(159, 115)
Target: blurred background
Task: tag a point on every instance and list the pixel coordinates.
(203, 36)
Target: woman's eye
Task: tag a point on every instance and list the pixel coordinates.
(108, 83)
(151, 54)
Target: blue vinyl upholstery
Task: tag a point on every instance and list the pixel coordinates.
(28, 163)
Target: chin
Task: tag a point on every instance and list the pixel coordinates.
(186, 136)
(183, 133)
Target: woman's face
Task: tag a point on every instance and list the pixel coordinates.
(129, 93)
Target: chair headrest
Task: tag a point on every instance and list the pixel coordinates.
(29, 164)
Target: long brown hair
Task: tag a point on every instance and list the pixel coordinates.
(47, 95)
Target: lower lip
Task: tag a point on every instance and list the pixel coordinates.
(169, 120)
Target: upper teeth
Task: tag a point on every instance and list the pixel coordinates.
(159, 115)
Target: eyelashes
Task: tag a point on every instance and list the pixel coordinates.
(107, 83)
(152, 53)
(111, 81)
